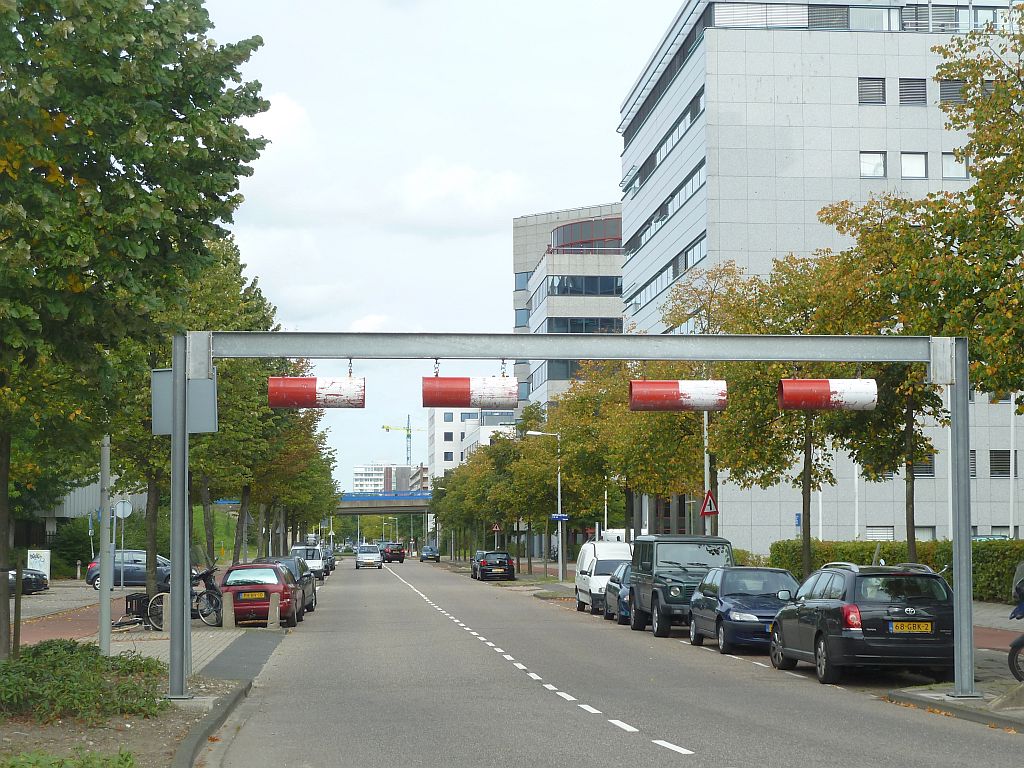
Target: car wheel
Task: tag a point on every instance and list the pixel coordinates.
(580, 605)
(301, 615)
(594, 609)
(724, 646)
(660, 625)
(607, 604)
(826, 671)
(292, 620)
(778, 658)
(96, 583)
(637, 620)
(696, 638)
(621, 617)
(312, 603)
(380, 566)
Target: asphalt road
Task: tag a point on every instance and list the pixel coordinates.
(413, 665)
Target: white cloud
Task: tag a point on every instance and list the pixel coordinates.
(286, 122)
(370, 324)
(438, 188)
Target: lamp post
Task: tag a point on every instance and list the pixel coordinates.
(561, 530)
(394, 527)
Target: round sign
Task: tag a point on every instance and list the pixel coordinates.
(123, 509)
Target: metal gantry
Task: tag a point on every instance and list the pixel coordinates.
(194, 353)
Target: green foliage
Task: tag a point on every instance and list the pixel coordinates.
(82, 760)
(745, 557)
(62, 678)
(994, 561)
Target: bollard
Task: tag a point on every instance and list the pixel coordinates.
(78, 570)
(228, 610)
(274, 612)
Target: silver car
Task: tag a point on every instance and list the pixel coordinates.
(369, 556)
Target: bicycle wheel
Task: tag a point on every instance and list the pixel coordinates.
(155, 611)
(209, 606)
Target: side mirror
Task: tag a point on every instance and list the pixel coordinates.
(584, 573)
(785, 595)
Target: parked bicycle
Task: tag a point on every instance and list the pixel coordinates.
(1016, 657)
(206, 604)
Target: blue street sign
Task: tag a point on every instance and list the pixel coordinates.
(563, 518)
(798, 519)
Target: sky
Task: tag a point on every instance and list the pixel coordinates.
(406, 135)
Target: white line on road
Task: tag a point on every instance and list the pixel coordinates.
(624, 726)
(534, 675)
(474, 633)
(498, 650)
(734, 657)
(673, 747)
(489, 644)
(550, 687)
(517, 665)
(590, 709)
(794, 674)
(759, 664)
(509, 657)
(566, 696)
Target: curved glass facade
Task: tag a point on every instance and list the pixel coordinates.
(595, 235)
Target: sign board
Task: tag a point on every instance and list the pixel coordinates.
(123, 509)
(496, 528)
(560, 518)
(202, 403)
(798, 519)
(709, 507)
(40, 560)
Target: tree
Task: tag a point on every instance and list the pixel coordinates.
(122, 156)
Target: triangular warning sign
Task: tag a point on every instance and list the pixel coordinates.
(709, 507)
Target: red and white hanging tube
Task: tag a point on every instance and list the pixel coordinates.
(467, 392)
(316, 392)
(697, 395)
(828, 394)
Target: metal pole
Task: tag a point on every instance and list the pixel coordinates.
(856, 500)
(561, 527)
(606, 502)
(707, 471)
(179, 520)
(963, 623)
(949, 452)
(1013, 465)
(106, 562)
(122, 552)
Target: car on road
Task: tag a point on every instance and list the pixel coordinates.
(329, 560)
(846, 615)
(251, 586)
(394, 551)
(616, 594)
(32, 581)
(430, 553)
(736, 605)
(134, 569)
(496, 565)
(303, 577)
(666, 570)
(474, 563)
(595, 563)
(368, 556)
(314, 557)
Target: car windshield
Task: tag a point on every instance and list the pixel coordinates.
(899, 588)
(495, 556)
(368, 549)
(251, 576)
(692, 553)
(290, 565)
(606, 567)
(757, 583)
(309, 553)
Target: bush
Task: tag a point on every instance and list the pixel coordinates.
(994, 561)
(63, 678)
(745, 557)
(83, 760)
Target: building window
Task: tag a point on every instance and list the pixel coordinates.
(584, 325)
(999, 397)
(449, 455)
(468, 416)
(522, 318)
(524, 390)
(951, 91)
(871, 90)
(576, 285)
(875, 19)
(925, 467)
(449, 436)
(913, 91)
(880, 533)
(631, 183)
(914, 165)
(673, 203)
(590, 236)
(872, 165)
(953, 168)
(522, 280)
(924, 532)
(449, 416)
(999, 463)
(682, 261)
(462, 455)
(828, 17)
(462, 435)
(974, 463)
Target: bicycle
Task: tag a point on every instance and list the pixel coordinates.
(206, 605)
(135, 613)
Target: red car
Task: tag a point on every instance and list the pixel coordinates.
(251, 585)
(394, 551)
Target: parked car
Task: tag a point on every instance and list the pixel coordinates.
(368, 556)
(845, 615)
(666, 570)
(301, 573)
(251, 585)
(430, 553)
(595, 563)
(736, 605)
(474, 563)
(32, 581)
(329, 560)
(394, 551)
(616, 594)
(134, 561)
(498, 565)
(314, 558)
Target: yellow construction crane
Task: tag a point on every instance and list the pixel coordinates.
(408, 429)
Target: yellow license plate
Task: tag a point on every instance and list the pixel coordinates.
(911, 626)
(252, 596)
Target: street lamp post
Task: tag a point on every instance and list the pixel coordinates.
(561, 530)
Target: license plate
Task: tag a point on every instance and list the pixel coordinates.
(910, 627)
(498, 570)
(252, 595)
(768, 628)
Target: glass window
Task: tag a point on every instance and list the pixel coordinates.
(449, 416)
(252, 576)
(914, 165)
(872, 165)
(757, 582)
(605, 567)
(448, 436)
(821, 587)
(836, 589)
(953, 168)
(449, 456)
(871, 19)
(871, 90)
(807, 586)
(522, 280)
(524, 390)
(522, 318)
(898, 588)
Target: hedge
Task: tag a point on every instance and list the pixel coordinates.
(994, 561)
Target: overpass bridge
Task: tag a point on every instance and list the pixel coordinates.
(385, 502)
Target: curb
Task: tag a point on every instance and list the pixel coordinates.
(187, 752)
(959, 711)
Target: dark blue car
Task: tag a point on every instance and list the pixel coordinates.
(616, 594)
(736, 605)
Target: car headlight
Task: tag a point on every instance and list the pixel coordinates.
(736, 616)
(675, 591)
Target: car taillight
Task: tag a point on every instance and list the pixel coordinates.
(94, 563)
(851, 617)
(483, 562)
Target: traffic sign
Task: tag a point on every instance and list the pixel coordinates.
(562, 518)
(123, 509)
(709, 507)
(496, 528)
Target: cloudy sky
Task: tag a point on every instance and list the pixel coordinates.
(406, 135)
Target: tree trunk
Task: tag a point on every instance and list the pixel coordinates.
(805, 493)
(282, 544)
(152, 520)
(261, 532)
(908, 448)
(629, 507)
(240, 525)
(638, 514)
(5, 543)
(204, 495)
(529, 547)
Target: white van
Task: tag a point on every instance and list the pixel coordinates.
(594, 565)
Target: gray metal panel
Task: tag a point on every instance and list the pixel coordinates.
(202, 402)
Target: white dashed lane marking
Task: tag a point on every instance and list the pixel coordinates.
(624, 726)
(550, 687)
(673, 747)
(566, 696)
(534, 675)
(510, 658)
(759, 664)
(517, 665)
(590, 709)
